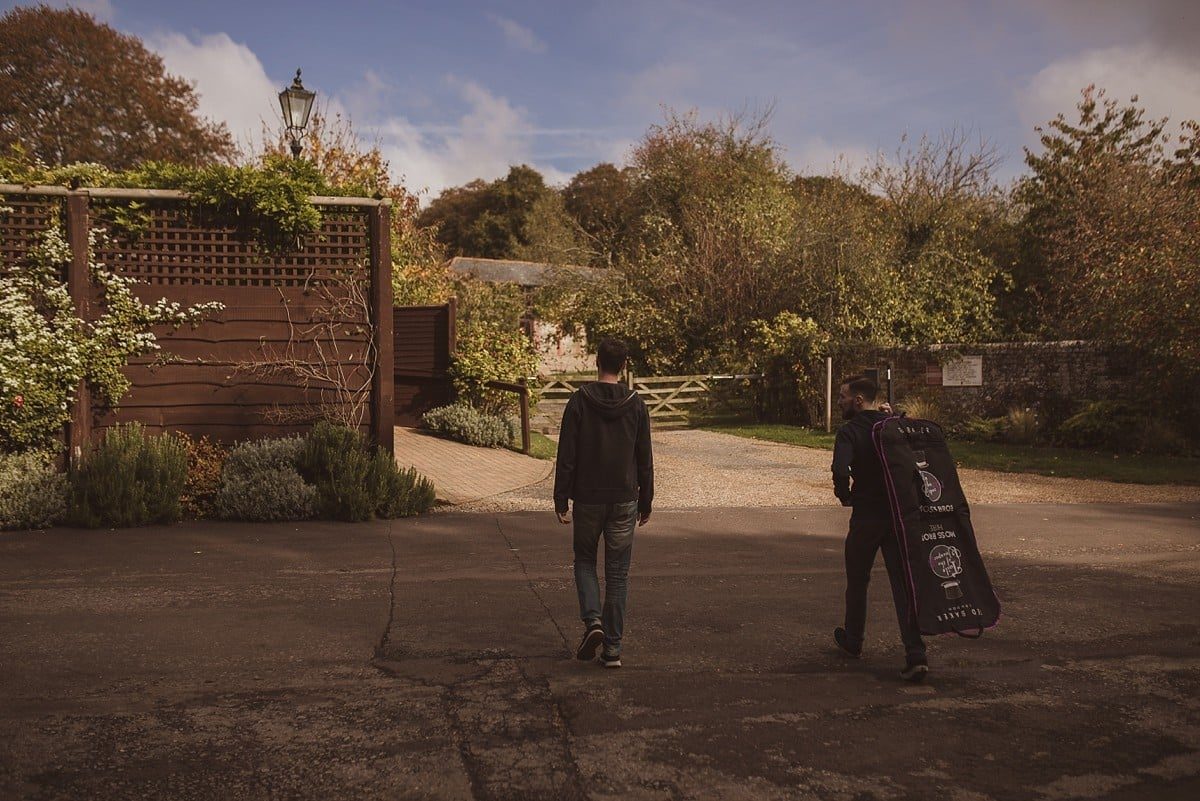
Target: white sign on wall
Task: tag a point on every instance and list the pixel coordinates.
(964, 372)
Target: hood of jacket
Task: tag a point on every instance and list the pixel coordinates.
(866, 419)
(610, 401)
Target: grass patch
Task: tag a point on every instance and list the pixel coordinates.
(540, 446)
(1039, 459)
(772, 432)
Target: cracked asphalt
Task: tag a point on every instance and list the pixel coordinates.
(429, 658)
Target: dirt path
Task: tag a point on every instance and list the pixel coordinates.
(704, 469)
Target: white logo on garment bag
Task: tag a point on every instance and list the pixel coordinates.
(931, 488)
(946, 562)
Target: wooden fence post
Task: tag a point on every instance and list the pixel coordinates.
(79, 284)
(829, 393)
(383, 383)
(524, 416)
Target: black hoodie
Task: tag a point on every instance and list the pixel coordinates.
(604, 449)
(854, 455)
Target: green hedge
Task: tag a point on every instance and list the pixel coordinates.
(129, 478)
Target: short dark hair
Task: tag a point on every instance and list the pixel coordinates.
(611, 355)
(861, 385)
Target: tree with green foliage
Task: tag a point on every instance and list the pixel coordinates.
(514, 217)
(550, 235)
(937, 195)
(75, 90)
(722, 237)
(598, 201)
(1113, 227)
(713, 221)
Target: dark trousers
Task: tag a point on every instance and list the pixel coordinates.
(615, 522)
(867, 536)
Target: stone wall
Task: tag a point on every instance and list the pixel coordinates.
(1052, 377)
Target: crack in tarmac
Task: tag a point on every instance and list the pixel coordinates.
(529, 581)
(564, 731)
(468, 696)
(387, 628)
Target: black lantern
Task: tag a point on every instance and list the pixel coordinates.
(296, 102)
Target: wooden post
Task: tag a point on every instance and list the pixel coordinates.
(828, 393)
(383, 383)
(79, 285)
(452, 312)
(524, 394)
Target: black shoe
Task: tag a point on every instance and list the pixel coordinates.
(843, 643)
(610, 660)
(590, 642)
(915, 669)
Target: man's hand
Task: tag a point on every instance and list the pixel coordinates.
(885, 407)
(564, 517)
(643, 519)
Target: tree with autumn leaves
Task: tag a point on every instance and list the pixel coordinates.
(75, 90)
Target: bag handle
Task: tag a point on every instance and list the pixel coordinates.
(978, 631)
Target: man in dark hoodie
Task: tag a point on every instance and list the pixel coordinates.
(605, 466)
(858, 482)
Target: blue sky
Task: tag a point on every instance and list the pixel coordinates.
(454, 90)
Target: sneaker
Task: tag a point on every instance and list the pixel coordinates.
(915, 669)
(843, 643)
(610, 660)
(590, 642)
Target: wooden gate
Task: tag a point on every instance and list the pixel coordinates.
(672, 400)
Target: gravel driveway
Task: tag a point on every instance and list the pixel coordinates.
(704, 469)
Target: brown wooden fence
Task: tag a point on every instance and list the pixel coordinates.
(424, 338)
(217, 382)
(672, 400)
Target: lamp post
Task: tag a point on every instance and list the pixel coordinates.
(296, 102)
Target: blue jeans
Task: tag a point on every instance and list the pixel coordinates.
(616, 523)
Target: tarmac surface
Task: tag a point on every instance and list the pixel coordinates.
(429, 658)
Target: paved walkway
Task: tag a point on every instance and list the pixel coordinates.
(429, 658)
(695, 469)
(463, 473)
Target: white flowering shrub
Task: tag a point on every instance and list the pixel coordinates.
(46, 350)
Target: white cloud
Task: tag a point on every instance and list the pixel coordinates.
(489, 137)
(665, 84)
(517, 35)
(230, 80)
(1166, 82)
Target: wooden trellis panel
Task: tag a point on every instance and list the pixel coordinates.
(173, 251)
(268, 299)
(21, 227)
